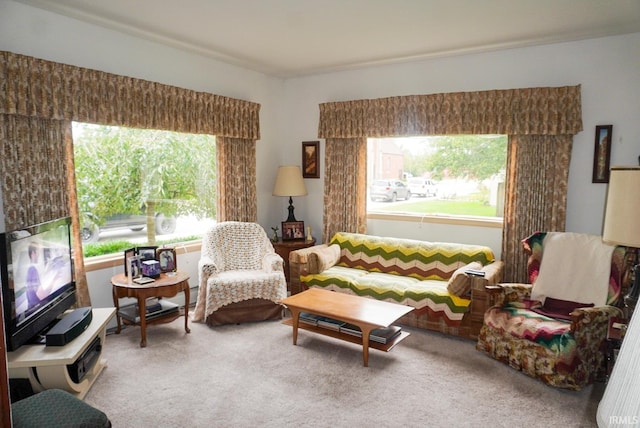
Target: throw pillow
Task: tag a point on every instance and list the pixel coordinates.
(323, 258)
(460, 283)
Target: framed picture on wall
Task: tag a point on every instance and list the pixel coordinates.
(292, 230)
(602, 154)
(311, 159)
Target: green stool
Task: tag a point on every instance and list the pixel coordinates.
(55, 408)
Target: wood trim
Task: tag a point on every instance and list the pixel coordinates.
(5, 400)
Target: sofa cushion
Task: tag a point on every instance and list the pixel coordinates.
(323, 258)
(431, 295)
(460, 282)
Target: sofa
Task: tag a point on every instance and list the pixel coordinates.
(445, 282)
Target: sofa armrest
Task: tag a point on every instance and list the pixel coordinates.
(585, 321)
(503, 293)
(299, 265)
(272, 262)
(480, 298)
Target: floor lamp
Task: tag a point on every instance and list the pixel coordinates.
(620, 404)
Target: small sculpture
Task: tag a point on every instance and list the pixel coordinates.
(275, 234)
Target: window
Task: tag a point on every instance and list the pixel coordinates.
(458, 176)
(142, 187)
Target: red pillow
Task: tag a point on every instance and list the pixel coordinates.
(556, 308)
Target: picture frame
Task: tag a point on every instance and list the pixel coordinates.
(311, 159)
(128, 253)
(293, 230)
(134, 264)
(147, 253)
(168, 260)
(602, 154)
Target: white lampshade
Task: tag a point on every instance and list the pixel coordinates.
(289, 182)
(621, 225)
(620, 405)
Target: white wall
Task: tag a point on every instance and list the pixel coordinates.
(607, 68)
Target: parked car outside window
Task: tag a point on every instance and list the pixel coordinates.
(389, 190)
(422, 186)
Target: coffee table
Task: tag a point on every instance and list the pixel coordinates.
(368, 314)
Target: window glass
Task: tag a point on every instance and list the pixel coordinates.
(142, 187)
(459, 175)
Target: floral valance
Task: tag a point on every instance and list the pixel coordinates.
(530, 111)
(50, 90)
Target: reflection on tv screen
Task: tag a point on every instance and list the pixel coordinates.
(40, 268)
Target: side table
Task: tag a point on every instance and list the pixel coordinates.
(283, 248)
(167, 285)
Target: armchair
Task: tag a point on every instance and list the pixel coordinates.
(554, 328)
(241, 278)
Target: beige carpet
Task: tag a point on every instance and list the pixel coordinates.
(251, 375)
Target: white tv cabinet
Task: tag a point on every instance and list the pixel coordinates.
(46, 366)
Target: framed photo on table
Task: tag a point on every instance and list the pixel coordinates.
(292, 230)
(311, 159)
(131, 252)
(147, 253)
(602, 154)
(134, 264)
(167, 259)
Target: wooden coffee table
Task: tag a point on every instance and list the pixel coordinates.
(368, 314)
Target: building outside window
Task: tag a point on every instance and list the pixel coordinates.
(456, 176)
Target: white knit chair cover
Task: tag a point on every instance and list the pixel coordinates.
(237, 263)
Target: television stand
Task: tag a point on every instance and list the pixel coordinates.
(47, 367)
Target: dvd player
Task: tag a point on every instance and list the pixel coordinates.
(85, 362)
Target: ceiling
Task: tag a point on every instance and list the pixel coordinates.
(289, 38)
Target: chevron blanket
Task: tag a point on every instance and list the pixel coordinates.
(405, 271)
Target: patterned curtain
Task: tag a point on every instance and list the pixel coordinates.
(38, 101)
(236, 180)
(345, 175)
(35, 178)
(39, 88)
(536, 192)
(542, 111)
(545, 117)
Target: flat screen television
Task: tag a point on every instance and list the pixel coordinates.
(36, 271)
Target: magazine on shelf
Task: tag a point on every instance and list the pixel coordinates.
(330, 323)
(385, 335)
(308, 318)
(132, 313)
(351, 329)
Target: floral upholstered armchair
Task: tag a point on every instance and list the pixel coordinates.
(555, 327)
(241, 278)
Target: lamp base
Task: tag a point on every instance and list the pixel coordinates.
(631, 299)
(291, 208)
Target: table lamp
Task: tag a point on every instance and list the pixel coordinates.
(289, 183)
(621, 225)
(620, 405)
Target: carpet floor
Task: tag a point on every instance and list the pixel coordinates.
(250, 375)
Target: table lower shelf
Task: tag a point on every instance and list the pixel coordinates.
(386, 347)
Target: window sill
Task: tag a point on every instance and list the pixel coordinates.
(116, 259)
(493, 222)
